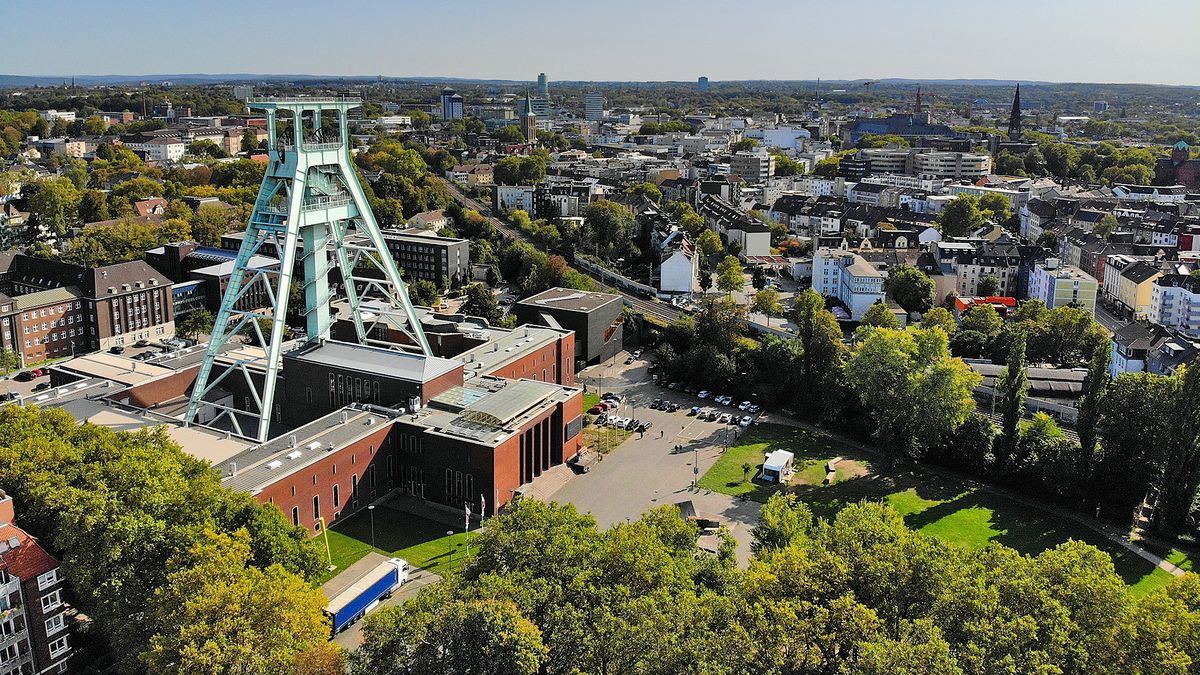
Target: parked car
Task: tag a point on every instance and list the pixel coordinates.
(704, 394)
(43, 386)
(629, 360)
(725, 418)
(610, 396)
(674, 386)
(117, 349)
(744, 405)
(674, 407)
(695, 410)
(9, 396)
(637, 353)
(723, 399)
(656, 404)
(632, 425)
(601, 420)
(712, 415)
(746, 421)
(754, 409)
(645, 426)
(24, 376)
(142, 343)
(595, 410)
(689, 389)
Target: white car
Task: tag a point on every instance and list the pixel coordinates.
(746, 421)
(704, 393)
(743, 405)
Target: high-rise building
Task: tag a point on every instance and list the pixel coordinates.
(452, 105)
(702, 83)
(540, 106)
(1014, 117)
(543, 86)
(593, 106)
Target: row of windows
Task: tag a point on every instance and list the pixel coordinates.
(459, 484)
(344, 390)
(58, 309)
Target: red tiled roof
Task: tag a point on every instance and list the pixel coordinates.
(28, 560)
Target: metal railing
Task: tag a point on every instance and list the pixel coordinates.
(318, 147)
(315, 203)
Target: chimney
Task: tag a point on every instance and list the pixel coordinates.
(7, 512)
(345, 417)
(292, 441)
(233, 468)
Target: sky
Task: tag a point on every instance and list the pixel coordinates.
(1151, 41)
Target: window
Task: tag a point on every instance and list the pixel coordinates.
(47, 580)
(337, 497)
(51, 600)
(55, 624)
(295, 512)
(316, 506)
(58, 647)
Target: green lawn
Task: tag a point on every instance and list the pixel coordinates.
(953, 510)
(590, 399)
(604, 439)
(421, 542)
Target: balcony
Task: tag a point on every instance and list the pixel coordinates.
(317, 203)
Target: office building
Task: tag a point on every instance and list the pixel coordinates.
(442, 260)
(596, 318)
(847, 276)
(543, 86)
(756, 166)
(593, 106)
(702, 83)
(451, 105)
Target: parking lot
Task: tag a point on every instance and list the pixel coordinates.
(659, 466)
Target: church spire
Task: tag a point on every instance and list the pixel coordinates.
(1014, 117)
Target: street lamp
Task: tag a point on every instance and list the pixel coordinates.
(371, 511)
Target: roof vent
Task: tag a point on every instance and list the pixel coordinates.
(314, 445)
(233, 468)
(292, 441)
(274, 464)
(294, 455)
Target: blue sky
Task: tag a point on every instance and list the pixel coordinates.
(1060, 40)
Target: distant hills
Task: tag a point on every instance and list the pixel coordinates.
(18, 81)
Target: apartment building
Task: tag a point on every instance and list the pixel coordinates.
(425, 256)
(848, 277)
(755, 166)
(1059, 285)
(1175, 303)
(34, 635)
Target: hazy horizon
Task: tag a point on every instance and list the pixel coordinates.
(1071, 41)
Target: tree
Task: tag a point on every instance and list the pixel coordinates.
(1107, 225)
(206, 148)
(878, 315)
(709, 244)
(786, 166)
(823, 352)
(1089, 407)
(783, 520)
(139, 188)
(1134, 434)
(911, 288)
(9, 361)
(1174, 514)
(988, 286)
(982, 318)
(730, 275)
(480, 302)
(881, 140)
(961, 217)
(995, 207)
(93, 206)
(941, 318)
(249, 141)
(54, 204)
(648, 190)
(485, 637)
(423, 292)
(747, 467)
(209, 223)
(509, 134)
(195, 324)
(221, 614)
(766, 302)
(1013, 384)
(915, 390)
(609, 225)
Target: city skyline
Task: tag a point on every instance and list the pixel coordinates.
(889, 40)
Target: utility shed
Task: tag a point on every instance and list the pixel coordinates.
(777, 466)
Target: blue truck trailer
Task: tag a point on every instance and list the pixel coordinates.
(365, 591)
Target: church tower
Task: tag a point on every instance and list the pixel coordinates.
(1014, 117)
(529, 121)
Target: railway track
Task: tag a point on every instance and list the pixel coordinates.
(651, 309)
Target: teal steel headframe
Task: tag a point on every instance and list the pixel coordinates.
(310, 207)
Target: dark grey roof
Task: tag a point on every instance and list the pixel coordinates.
(369, 359)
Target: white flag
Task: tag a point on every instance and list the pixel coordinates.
(467, 516)
(482, 506)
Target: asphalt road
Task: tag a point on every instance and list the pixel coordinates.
(643, 473)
